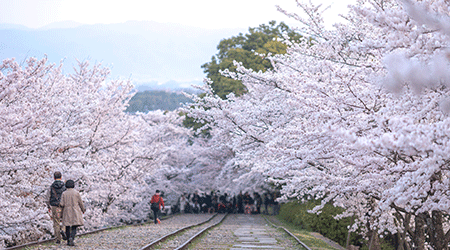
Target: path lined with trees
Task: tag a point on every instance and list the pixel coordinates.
(356, 117)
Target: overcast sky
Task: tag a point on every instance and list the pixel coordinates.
(210, 14)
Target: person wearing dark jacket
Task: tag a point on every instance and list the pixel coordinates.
(240, 203)
(54, 198)
(73, 210)
(266, 203)
(258, 202)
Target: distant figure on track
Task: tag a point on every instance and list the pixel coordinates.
(73, 210)
(156, 203)
(266, 203)
(54, 198)
(183, 203)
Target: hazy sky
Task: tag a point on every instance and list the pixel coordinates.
(198, 13)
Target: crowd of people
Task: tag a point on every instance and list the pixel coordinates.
(223, 203)
(66, 207)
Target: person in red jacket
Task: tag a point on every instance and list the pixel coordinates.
(156, 203)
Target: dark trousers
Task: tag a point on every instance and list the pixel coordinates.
(240, 208)
(71, 231)
(155, 214)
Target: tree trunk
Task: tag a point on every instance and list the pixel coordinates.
(436, 232)
(419, 232)
(402, 236)
(347, 243)
(374, 240)
(401, 242)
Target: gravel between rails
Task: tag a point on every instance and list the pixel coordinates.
(127, 238)
(223, 236)
(178, 240)
(135, 237)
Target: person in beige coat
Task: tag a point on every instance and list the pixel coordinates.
(72, 211)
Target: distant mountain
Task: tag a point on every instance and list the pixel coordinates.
(62, 25)
(143, 51)
(154, 100)
(169, 85)
(8, 26)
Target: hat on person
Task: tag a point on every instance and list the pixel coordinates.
(157, 191)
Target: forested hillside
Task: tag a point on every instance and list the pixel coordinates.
(154, 100)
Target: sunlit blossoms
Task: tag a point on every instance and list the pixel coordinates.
(75, 124)
(356, 116)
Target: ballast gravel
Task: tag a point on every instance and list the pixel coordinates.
(242, 231)
(130, 237)
(223, 236)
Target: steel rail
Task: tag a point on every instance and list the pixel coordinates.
(288, 232)
(197, 235)
(35, 243)
(161, 239)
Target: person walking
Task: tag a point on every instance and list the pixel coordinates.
(72, 211)
(183, 202)
(196, 200)
(258, 202)
(53, 203)
(156, 203)
(266, 203)
(240, 203)
(276, 205)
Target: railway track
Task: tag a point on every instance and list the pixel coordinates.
(187, 231)
(290, 234)
(181, 238)
(138, 235)
(30, 245)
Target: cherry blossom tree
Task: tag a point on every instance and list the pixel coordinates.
(75, 124)
(356, 115)
(54, 122)
(325, 122)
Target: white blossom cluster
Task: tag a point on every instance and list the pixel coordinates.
(356, 116)
(76, 124)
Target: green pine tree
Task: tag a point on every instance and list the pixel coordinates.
(242, 48)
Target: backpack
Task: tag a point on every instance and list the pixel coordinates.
(155, 205)
(55, 195)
